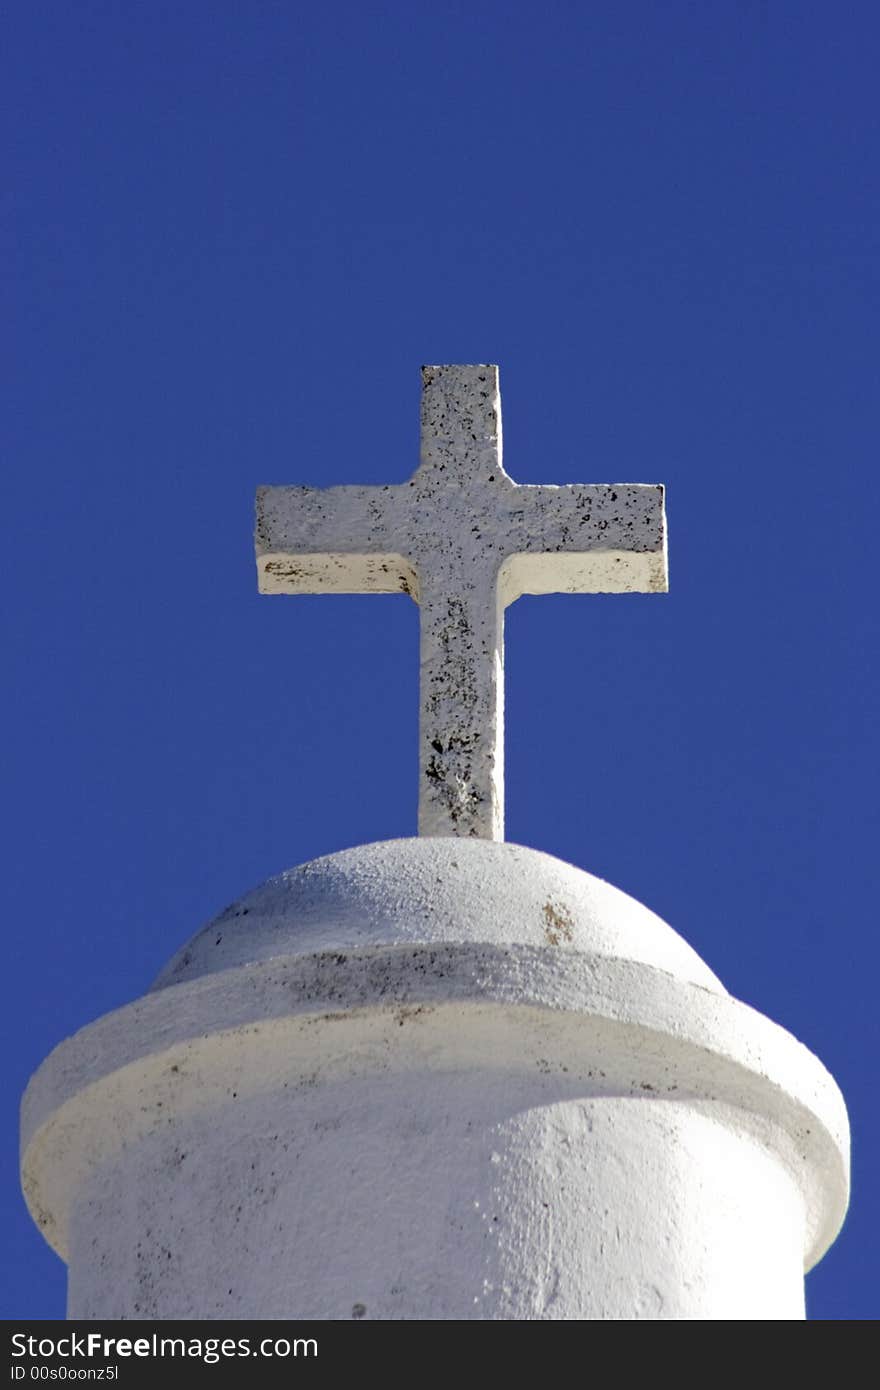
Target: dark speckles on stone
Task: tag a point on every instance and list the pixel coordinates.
(359, 1310)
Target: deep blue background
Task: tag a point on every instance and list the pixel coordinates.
(235, 233)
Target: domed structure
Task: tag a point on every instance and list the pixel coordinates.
(432, 891)
(440, 1079)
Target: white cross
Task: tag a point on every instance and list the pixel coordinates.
(464, 540)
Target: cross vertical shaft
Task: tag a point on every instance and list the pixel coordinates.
(461, 759)
(461, 718)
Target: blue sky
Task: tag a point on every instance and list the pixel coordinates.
(233, 234)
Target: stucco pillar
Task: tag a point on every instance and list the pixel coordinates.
(437, 1078)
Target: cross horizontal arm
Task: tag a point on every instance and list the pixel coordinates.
(598, 538)
(330, 540)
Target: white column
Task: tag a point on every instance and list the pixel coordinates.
(438, 1078)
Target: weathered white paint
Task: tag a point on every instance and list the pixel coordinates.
(464, 541)
(391, 1084)
(435, 892)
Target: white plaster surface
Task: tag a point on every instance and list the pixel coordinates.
(435, 891)
(464, 540)
(386, 1124)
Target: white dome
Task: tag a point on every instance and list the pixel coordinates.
(435, 891)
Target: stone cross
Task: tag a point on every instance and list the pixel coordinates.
(464, 540)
